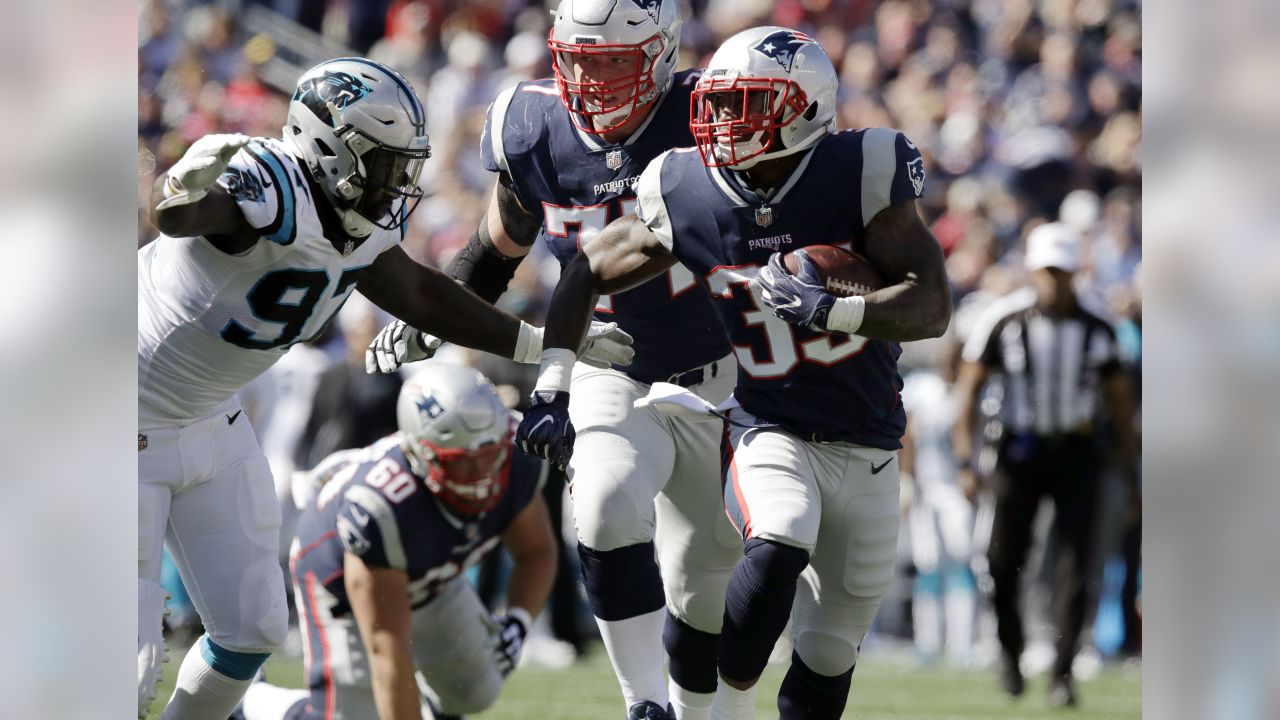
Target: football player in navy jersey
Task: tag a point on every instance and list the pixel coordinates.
(808, 470)
(380, 550)
(568, 151)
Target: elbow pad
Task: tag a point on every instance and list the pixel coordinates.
(480, 266)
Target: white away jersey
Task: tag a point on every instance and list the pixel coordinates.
(209, 322)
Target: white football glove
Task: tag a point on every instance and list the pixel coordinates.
(397, 344)
(606, 344)
(190, 178)
(152, 652)
(511, 631)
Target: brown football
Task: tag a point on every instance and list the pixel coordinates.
(844, 273)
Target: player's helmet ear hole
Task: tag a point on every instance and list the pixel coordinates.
(326, 150)
(811, 111)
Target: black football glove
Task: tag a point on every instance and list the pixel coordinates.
(545, 431)
(799, 299)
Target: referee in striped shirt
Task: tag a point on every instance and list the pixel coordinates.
(1063, 384)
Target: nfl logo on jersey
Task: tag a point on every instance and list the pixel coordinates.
(764, 216)
(613, 159)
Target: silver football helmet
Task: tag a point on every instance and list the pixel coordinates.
(457, 435)
(767, 92)
(613, 58)
(361, 130)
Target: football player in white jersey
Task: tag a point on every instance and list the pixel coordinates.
(262, 241)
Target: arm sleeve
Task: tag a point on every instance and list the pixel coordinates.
(257, 180)
(651, 207)
(892, 171)
(369, 529)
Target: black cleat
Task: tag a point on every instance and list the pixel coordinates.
(1011, 676)
(646, 710)
(1062, 692)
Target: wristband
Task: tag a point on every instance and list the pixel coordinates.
(175, 194)
(556, 370)
(528, 344)
(521, 616)
(846, 314)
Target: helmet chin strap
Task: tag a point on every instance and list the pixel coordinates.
(355, 224)
(745, 147)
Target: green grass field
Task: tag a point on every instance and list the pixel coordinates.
(883, 689)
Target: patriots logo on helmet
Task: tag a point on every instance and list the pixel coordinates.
(335, 86)
(782, 46)
(430, 408)
(653, 7)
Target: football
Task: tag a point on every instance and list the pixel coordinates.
(844, 273)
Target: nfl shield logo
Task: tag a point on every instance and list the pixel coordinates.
(142, 442)
(613, 159)
(764, 216)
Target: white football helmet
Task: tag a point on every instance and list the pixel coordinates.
(590, 35)
(767, 92)
(457, 435)
(361, 130)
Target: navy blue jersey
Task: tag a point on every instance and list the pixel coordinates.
(724, 232)
(375, 507)
(576, 183)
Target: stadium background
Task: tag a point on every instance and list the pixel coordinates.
(1025, 111)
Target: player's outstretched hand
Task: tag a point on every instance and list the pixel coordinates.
(397, 344)
(512, 628)
(545, 431)
(606, 344)
(189, 178)
(799, 299)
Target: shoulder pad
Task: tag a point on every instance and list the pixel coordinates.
(892, 171)
(651, 206)
(516, 122)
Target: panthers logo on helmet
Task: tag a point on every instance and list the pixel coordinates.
(335, 86)
(782, 46)
(653, 7)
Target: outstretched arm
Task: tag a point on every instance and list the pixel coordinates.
(623, 255)
(428, 299)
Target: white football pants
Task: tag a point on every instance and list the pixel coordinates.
(206, 488)
(639, 475)
(824, 498)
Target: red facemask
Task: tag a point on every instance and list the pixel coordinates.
(735, 119)
(598, 106)
(469, 481)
